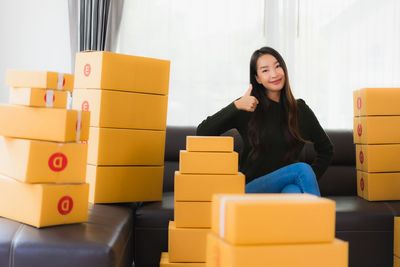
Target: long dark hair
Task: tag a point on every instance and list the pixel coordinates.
(290, 125)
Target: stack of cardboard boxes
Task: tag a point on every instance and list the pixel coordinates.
(127, 98)
(377, 139)
(42, 161)
(208, 166)
(282, 230)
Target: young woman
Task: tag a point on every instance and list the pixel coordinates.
(274, 128)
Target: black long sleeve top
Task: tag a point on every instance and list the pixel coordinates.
(273, 157)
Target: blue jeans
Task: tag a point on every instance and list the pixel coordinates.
(294, 178)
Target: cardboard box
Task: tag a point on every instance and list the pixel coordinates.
(208, 162)
(376, 102)
(273, 218)
(396, 238)
(378, 186)
(117, 109)
(32, 161)
(201, 187)
(187, 244)
(222, 254)
(378, 158)
(107, 70)
(164, 262)
(113, 184)
(396, 261)
(42, 205)
(376, 130)
(37, 97)
(40, 79)
(111, 146)
(209, 143)
(192, 214)
(59, 125)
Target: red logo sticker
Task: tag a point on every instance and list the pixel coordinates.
(45, 98)
(85, 106)
(361, 157)
(58, 162)
(359, 129)
(359, 102)
(362, 184)
(87, 69)
(65, 205)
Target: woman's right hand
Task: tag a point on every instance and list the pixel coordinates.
(247, 102)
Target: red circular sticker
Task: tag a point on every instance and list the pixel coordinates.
(87, 69)
(362, 184)
(85, 106)
(361, 157)
(58, 162)
(45, 98)
(359, 129)
(359, 102)
(65, 205)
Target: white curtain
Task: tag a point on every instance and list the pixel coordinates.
(336, 47)
(208, 42)
(331, 47)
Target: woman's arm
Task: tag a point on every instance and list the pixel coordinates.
(220, 122)
(316, 134)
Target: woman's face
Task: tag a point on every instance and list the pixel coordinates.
(270, 73)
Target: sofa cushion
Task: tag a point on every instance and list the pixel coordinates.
(105, 240)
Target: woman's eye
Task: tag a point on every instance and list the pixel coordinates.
(264, 70)
(278, 66)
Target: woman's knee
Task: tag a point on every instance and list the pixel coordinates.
(304, 168)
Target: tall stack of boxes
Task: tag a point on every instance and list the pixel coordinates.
(207, 166)
(127, 97)
(282, 230)
(42, 161)
(376, 135)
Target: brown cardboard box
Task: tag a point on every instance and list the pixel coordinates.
(42, 205)
(111, 146)
(378, 186)
(378, 158)
(396, 261)
(192, 214)
(113, 184)
(59, 125)
(376, 130)
(40, 79)
(187, 244)
(376, 102)
(223, 254)
(37, 97)
(253, 219)
(107, 70)
(396, 238)
(117, 109)
(201, 187)
(32, 161)
(164, 262)
(209, 143)
(208, 162)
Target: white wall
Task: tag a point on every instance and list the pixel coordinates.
(34, 36)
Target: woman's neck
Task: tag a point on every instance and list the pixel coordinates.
(274, 96)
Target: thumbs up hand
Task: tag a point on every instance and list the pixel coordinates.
(247, 102)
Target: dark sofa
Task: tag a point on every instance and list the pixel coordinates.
(368, 226)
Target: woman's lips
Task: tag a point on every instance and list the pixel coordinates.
(277, 82)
